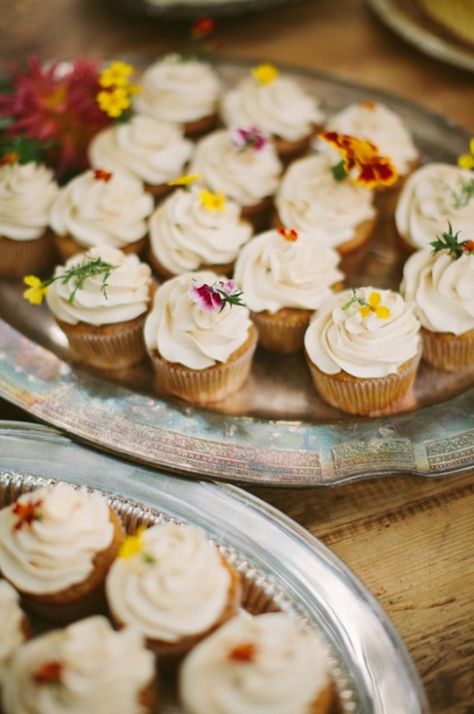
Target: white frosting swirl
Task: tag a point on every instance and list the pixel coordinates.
(178, 91)
(184, 235)
(311, 200)
(247, 176)
(181, 331)
(441, 290)
(364, 347)
(11, 630)
(286, 671)
(27, 192)
(151, 150)
(380, 125)
(56, 550)
(275, 273)
(427, 203)
(176, 587)
(97, 213)
(101, 671)
(126, 296)
(280, 107)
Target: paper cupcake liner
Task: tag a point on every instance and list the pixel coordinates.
(364, 396)
(114, 346)
(165, 274)
(67, 246)
(448, 351)
(202, 386)
(22, 257)
(283, 331)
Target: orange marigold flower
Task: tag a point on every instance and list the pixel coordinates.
(27, 513)
(244, 652)
(203, 27)
(373, 169)
(102, 175)
(48, 673)
(288, 234)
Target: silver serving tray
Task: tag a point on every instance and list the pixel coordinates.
(275, 430)
(290, 568)
(189, 9)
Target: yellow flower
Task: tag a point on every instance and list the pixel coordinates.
(212, 201)
(132, 545)
(36, 290)
(466, 161)
(114, 103)
(375, 307)
(116, 75)
(184, 180)
(265, 73)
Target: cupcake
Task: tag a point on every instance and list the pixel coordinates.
(195, 229)
(56, 546)
(440, 286)
(276, 104)
(150, 150)
(182, 91)
(285, 276)
(101, 209)
(257, 664)
(199, 337)
(86, 667)
(27, 192)
(100, 300)
(363, 349)
(243, 164)
(14, 628)
(433, 195)
(171, 584)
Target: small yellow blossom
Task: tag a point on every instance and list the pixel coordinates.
(184, 180)
(466, 161)
(116, 75)
(375, 307)
(212, 201)
(132, 545)
(114, 103)
(36, 290)
(265, 73)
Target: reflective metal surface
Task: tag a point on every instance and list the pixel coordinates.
(370, 664)
(275, 430)
(189, 9)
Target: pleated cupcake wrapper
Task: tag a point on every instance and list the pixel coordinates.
(111, 350)
(92, 604)
(448, 353)
(19, 258)
(365, 396)
(280, 335)
(67, 246)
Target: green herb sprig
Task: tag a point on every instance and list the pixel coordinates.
(89, 268)
(450, 241)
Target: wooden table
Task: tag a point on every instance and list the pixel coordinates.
(409, 540)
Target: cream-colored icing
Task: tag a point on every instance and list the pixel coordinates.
(98, 213)
(11, 627)
(101, 672)
(285, 675)
(126, 296)
(275, 273)
(427, 203)
(184, 234)
(343, 340)
(27, 192)
(56, 550)
(247, 176)
(176, 587)
(311, 200)
(181, 331)
(441, 290)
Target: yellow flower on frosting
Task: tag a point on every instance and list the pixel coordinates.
(116, 75)
(36, 290)
(466, 161)
(114, 103)
(212, 201)
(265, 73)
(374, 306)
(184, 180)
(132, 545)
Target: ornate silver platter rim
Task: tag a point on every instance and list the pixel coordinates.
(375, 672)
(187, 10)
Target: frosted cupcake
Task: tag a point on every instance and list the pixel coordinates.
(56, 545)
(86, 667)
(14, 629)
(363, 348)
(243, 164)
(195, 229)
(440, 286)
(27, 192)
(257, 664)
(183, 91)
(276, 104)
(150, 150)
(200, 338)
(171, 583)
(100, 300)
(101, 209)
(285, 276)
(433, 195)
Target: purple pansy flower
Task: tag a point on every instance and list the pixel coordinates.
(248, 138)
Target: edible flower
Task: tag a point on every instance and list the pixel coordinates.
(213, 298)
(466, 161)
(203, 27)
(373, 169)
(244, 652)
(133, 545)
(102, 175)
(212, 201)
(48, 673)
(36, 290)
(373, 305)
(265, 73)
(289, 234)
(199, 43)
(450, 241)
(248, 138)
(368, 104)
(11, 157)
(114, 102)
(115, 97)
(185, 180)
(27, 512)
(116, 75)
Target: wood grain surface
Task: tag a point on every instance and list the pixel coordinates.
(409, 540)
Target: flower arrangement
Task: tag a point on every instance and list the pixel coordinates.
(213, 298)
(115, 95)
(362, 157)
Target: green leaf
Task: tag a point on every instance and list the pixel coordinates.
(339, 171)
